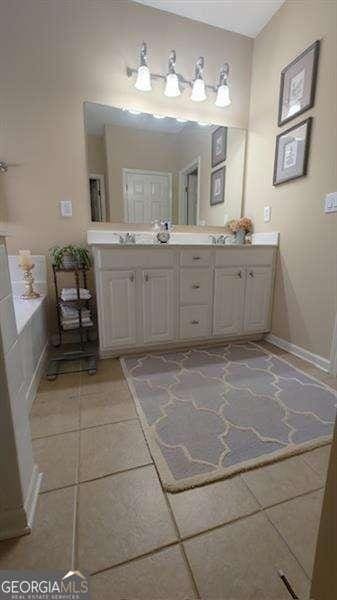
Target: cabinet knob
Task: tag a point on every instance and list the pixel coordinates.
(132, 277)
(240, 274)
(196, 257)
(194, 322)
(195, 286)
(250, 274)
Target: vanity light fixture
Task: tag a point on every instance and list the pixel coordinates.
(175, 82)
(143, 81)
(172, 89)
(223, 97)
(198, 86)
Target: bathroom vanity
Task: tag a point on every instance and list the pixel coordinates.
(161, 295)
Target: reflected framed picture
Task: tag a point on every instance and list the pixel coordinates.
(218, 178)
(219, 146)
(292, 152)
(298, 84)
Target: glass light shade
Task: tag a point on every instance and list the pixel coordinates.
(222, 97)
(143, 81)
(198, 91)
(172, 86)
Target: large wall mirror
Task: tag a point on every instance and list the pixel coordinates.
(143, 167)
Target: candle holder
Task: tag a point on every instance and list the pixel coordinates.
(28, 278)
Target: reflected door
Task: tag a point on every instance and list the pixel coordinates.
(147, 196)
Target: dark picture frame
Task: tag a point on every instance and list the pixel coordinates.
(218, 181)
(219, 145)
(292, 152)
(298, 84)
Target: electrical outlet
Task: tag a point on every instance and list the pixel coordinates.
(66, 208)
(267, 214)
(330, 203)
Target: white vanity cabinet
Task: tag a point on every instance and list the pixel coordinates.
(158, 295)
(169, 296)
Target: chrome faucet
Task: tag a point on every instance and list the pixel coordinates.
(129, 238)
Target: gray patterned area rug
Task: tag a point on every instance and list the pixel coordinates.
(209, 413)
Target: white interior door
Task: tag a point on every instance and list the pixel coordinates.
(147, 196)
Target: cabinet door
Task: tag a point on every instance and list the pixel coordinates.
(258, 296)
(118, 319)
(228, 300)
(158, 305)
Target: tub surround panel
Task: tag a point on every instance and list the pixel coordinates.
(19, 476)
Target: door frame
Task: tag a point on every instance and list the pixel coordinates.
(333, 354)
(101, 179)
(126, 171)
(195, 164)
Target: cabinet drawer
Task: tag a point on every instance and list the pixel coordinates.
(127, 258)
(229, 257)
(194, 321)
(195, 286)
(195, 258)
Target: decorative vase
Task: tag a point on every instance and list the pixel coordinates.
(239, 237)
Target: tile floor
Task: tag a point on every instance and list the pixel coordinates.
(102, 508)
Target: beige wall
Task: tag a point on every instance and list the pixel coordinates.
(305, 295)
(58, 54)
(131, 148)
(197, 143)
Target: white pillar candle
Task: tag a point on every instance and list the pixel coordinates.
(25, 259)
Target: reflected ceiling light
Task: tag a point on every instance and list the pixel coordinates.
(133, 111)
(203, 124)
(143, 81)
(159, 116)
(223, 97)
(172, 89)
(182, 120)
(198, 86)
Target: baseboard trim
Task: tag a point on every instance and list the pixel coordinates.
(319, 361)
(19, 521)
(34, 384)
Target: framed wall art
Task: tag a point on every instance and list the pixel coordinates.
(298, 84)
(219, 146)
(292, 152)
(218, 178)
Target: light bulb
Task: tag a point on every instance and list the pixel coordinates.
(198, 91)
(143, 81)
(181, 120)
(172, 86)
(203, 123)
(222, 97)
(133, 111)
(159, 116)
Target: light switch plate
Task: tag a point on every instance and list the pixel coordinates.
(66, 208)
(267, 214)
(331, 202)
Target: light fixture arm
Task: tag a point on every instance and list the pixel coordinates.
(199, 68)
(143, 55)
(223, 76)
(172, 62)
(3, 166)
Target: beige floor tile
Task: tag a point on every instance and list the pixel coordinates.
(57, 458)
(121, 517)
(210, 505)
(318, 460)
(239, 561)
(64, 386)
(298, 521)
(113, 405)
(281, 481)
(109, 377)
(111, 448)
(54, 414)
(49, 546)
(161, 575)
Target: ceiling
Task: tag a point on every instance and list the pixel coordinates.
(247, 17)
